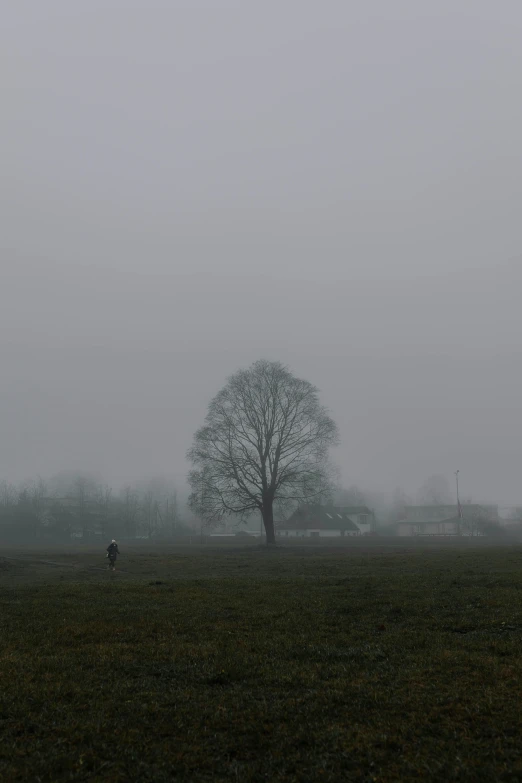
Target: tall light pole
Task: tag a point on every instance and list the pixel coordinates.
(458, 500)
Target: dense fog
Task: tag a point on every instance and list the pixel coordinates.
(191, 186)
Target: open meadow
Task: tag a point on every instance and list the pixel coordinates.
(395, 662)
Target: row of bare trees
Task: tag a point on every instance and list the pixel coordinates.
(150, 513)
(80, 505)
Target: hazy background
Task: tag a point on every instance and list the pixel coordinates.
(190, 186)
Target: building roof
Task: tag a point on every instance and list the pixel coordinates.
(323, 518)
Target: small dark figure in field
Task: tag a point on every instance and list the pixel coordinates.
(112, 554)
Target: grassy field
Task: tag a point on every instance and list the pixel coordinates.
(301, 664)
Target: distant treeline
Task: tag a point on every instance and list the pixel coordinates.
(82, 508)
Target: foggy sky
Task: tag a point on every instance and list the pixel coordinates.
(191, 185)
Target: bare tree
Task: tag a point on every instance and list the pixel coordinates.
(353, 496)
(84, 488)
(173, 512)
(39, 492)
(265, 441)
(8, 494)
(131, 510)
(435, 492)
(148, 508)
(397, 509)
(169, 516)
(102, 498)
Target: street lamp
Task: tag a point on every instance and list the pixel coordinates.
(459, 511)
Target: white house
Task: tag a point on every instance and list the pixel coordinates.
(315, 521)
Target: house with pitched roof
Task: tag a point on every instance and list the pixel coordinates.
(317, 521)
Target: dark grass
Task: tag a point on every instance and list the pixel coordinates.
(248, 665)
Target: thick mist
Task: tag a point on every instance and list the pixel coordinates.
(191, 186)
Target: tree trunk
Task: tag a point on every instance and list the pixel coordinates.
(268, 521)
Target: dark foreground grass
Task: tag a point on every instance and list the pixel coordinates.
(286, 666)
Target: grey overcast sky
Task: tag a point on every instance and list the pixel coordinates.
(190, 185)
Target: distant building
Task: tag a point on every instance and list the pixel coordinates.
(444, 520)
(316, 521)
